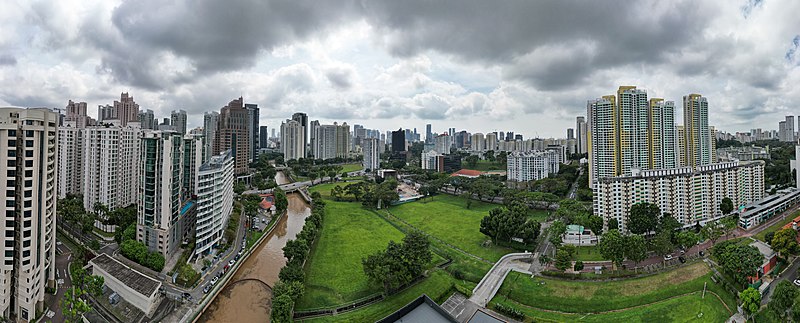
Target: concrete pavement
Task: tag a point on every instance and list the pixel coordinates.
(491, 282)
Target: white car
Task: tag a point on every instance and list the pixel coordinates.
(214, 281)
(668, 257)
(797, 282)
(233, 261)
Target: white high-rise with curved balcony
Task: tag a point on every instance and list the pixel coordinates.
(214, 200)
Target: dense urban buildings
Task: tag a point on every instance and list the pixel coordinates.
(70, 159)
(110, 165)
(532, 165)
(330, 141)
(125, 110)
(178, 121)
(293, 140)
(76, 114)
(233, 133)
(252, 129)
(743, 153)
(29, 149)
(210, 127)
(214, 201)
(147, 120)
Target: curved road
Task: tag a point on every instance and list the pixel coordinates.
(491, 282)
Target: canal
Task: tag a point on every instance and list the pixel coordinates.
(250, 300)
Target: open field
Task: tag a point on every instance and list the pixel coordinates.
(588, 253)
(333, 270)
(485, 165)
(351, 167)
(589, 297)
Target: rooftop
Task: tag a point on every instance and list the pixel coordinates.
(422, 310)
(133, 279)
(764, 249)
(482, 317)
(217, 161)
(467, 173)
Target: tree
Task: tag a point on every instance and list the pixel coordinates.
(337, 192)
(739, 261)
(399, 263)
(668, 223)
(281, 202)
(643, 218)
(795, 310)
(635, 248)
(282, 309)
(468, 198)
(785, 242)
(726, 206)
(556, 231)
(782, 299)
(293, 271)
(751, 301)
(712, 231)
(471, 161)
(562, 259)
(612, 247)
(613, 224)
(662, 243)
(313, 176)
(544, 259)
(239, 188)
(578, 266)
(73, 306)
(729, 223)
(296, 249)
(489, 155)
(687, 239)
(505, 223)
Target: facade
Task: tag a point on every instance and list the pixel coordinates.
(29, 181)
(330, 141)
(577, 235)
(147, 119)
(165, 213)
(371, 150)
(214, 201)
(210, 126)
(444, 143)
(263, 137)
(477, 142)
(436, 161)
(398, 141)
(744, 153)
(110, 166)
(762, 210)
(252, 130)
(786, 129)
(302, 119)
(178, 121)
(314, 128)
(70, 160)
(691, 195)
(76, 113)
(292, 140)
(233, 134)
(581, 132)
(531, 166)
(125, 110)
(491, 141)
(697, 134)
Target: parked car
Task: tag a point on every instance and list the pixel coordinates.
(797, 282)
(214, 280)
(241, 251)
(682, 259)
(187, 295)
(206, 289)
(668, 257)
(702, 254)
(237, 257)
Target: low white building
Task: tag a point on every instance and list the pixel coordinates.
(134, 287)
(577, 235)
(214, 200)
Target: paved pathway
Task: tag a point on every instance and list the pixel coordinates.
(491, 283)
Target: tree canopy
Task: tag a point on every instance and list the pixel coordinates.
(643, 218)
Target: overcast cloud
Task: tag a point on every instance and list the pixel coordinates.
(523, 66)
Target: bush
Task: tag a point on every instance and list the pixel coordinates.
(137, 252)
(509, 311)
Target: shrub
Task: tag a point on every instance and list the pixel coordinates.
(509, 311)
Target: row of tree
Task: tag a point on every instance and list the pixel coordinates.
(372, 195)
(290, 286)
(400, 263)
(73, 303)
(138, 252)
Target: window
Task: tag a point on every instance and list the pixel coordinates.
(28, 163)
(26, 243)
(12, 163)
(27, 204)
(29, 153)
(28, 133)
(28, 183)
(10, 193)
(28, 173)
(12, 133)
(12, 143)
(28, 143)
(26, 234)
(28, 193)
(12, 153)
(11, 173)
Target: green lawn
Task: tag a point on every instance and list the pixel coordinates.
(688, 308)
(351, 167)
(334, 274)
(485, 165)
(777, 226)
(324, 189)
(435, 286)
(588, 297)
(446, 217)
(588, 253)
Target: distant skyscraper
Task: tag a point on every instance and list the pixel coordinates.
(580, 128)
(292, 134)
(273, 133)
(70, 160)
(570, 133)
(371, 151)
(332, 141)
(786, 129)
(232, 133)
(125, 110)
(28, 178)
(263, 137)
(252, 128)
(210, 128)
(491, 141)
(302, 119)
(147, 119)
(661, 135)
(398, 140)
(698, 136)
(312, 133)
(178, 121)
(76, 113)
(428, 133)
(443, 144)
(501, 136)
(478, 143)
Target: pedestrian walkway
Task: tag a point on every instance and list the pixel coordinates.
(491, 282)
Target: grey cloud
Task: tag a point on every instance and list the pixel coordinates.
(340, 78)
(7, 60)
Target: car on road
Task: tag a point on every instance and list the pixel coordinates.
(214, 280)
(233, 261)
(186, 295)
(241, 251)
(682, 259)
(797, 282)
(237, 257)
(206, 289)
(668, 257)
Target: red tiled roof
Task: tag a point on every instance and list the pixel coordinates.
(789, 225)
(468, 173)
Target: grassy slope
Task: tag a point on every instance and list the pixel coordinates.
(777, 226)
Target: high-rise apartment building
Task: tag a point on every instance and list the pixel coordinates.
(696, 131)
(110, 166)
(302, 119)
(786, 129)
(581, 133)
(331, 141)
(147, 119)
(661, 135)
(76, 113)
(313, 134)
(478, 143)
(428, 133)
(29, 181)
(292, 143)
(491, 141)
(371, 150)
(214, 201)
(125, 110)
(166, 215)
(233, 134)
(443, 143)
(263, 137)
(178, 121)
(210, 127)
(531, 166)
(570, 133)
(252, 129)
(70, 160)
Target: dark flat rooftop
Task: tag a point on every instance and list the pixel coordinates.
(133, 279)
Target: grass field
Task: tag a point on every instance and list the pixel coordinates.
(485, 165)
(333, 270)
(446, 217)
(434, 286)
(777, 226)
(588, 253)
(351, 167)
(688, 308)
(588, 297)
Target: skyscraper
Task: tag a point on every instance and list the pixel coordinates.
(313, 134)
(398, 140)
(178, 121)
(147, 119)
(70, 160)
(292, 134)
(478, 143)
(331, 141)
(110, 166)
(76, 112)
(233, 134)
(786, 129)
(302, 119)
(491, 141)
(661, 135)
(252, 128)
(125, 110)
(570, 133)
(581, 132)
(263, 137)
(371, 154)
(695, 123)
(28, 138)
(210, 127)
(214, 201)
(428, 133)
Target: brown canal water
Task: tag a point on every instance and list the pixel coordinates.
(246, 299)
(280, 178)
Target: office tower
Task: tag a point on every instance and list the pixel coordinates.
(331, 141)
(232, 134)
(252, 128)
(661, 135)
(76, 113)
(292, 134)
(147, 119)
(570, 133)
(263, 137)
(70, 160)
(273, 133)
(372, 154)
(518, 137)
(302, 119)
(398, 141)
(125, 110)
(178, 121)
(28, 138)
(214, 200)
(532, 165)
(501, 136)
(478, 142)
(443, 144)
(491, 141)
(210, 128)
(696, 131)
(110, 166)
(428, 133)
(312, 133)
(166, 215)
(509, 135)
(581, 132)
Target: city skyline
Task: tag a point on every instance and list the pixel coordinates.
(368, 63)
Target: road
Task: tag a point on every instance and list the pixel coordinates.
(789, 274)
(63, 282)
(492, 281)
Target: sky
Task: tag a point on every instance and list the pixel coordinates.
(522, 66)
